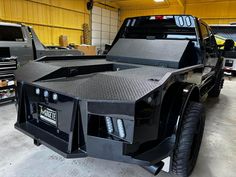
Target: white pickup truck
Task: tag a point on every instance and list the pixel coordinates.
(226, 36)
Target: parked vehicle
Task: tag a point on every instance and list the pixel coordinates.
(21, 41)
(226, 37)
(139, 104)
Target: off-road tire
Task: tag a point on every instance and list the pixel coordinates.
(189, 140)
(215, 92)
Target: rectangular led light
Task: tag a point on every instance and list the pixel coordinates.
(121, 128)
(109, 124)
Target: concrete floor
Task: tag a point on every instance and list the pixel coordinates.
(20, 158)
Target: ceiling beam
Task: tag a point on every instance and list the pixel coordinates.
(181, 3)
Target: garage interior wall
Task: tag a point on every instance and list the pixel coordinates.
(49, 18)
(52, 18)
(212, 11)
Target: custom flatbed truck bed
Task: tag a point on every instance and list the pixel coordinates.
(139, 104)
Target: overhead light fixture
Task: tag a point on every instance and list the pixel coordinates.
(158, 0)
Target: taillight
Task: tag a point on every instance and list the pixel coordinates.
(121, 128)
(55, 97)
(159, 17)
(45, 94)
(109, 125)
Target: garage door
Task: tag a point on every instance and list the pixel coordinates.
(104, 26)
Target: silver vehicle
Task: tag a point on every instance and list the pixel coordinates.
(21, 41)
(226, 37)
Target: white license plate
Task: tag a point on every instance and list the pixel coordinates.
(48, 115)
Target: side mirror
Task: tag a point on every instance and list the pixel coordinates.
(107, 49)
(229, 45)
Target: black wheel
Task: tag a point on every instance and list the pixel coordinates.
(189, 140)
(219, 82)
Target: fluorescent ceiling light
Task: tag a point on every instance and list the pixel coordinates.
(159, 0)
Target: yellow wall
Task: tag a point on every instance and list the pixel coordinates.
(211, 12)
(52, 18)
(214, 13)
(49, 18)
(172, 9)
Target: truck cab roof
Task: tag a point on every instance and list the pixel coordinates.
(159, 27)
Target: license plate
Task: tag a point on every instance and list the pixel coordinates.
(48, 115)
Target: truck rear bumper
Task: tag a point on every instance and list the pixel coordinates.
(51, 141)
(98, 147)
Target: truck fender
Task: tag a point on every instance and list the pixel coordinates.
(190, 93)
(173, 106)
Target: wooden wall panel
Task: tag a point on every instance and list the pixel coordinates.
(213, 12)
(50, 18)
(172, 9)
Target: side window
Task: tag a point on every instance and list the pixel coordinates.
(208, 39)
(11, 33)
(213, 39)
(204, 31)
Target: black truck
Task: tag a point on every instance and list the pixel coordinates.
(139, 104)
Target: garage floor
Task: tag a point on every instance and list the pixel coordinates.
(20, 158)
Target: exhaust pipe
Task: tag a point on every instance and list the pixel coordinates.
(154, 169)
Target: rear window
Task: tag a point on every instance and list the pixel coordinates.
(11, 33)
(160, 27)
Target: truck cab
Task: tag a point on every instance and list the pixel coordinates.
(179, 28)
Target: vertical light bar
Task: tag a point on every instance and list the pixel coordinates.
(109, 124)
(121, 128)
